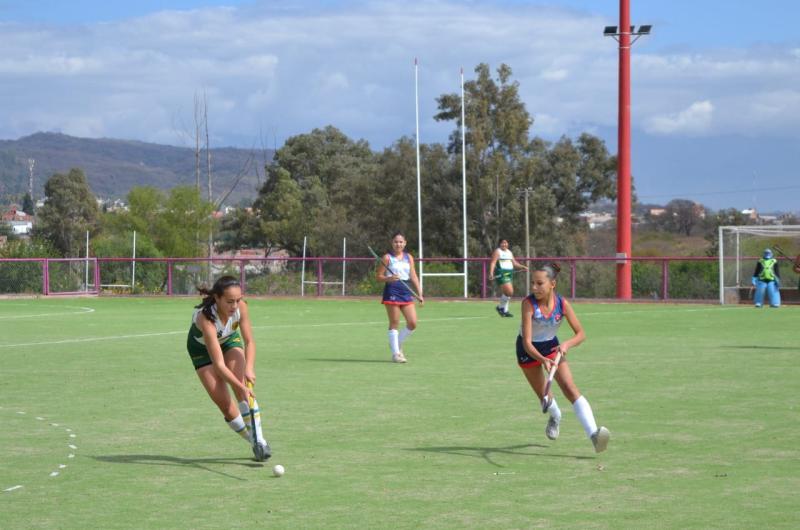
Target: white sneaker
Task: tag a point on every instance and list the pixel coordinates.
(551, 430)
(399, 358)
(600, 439)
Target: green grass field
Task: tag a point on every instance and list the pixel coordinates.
(701, 401)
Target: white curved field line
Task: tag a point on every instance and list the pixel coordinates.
(70, 453)
(82, 311)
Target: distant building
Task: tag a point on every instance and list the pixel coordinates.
(750, 213)
(20, 222)
(657, 212)
(273, 266)
(596, 220)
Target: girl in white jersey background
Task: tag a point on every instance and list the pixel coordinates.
(537, 344)
(501, 268)
(395, 266)
(222, 349)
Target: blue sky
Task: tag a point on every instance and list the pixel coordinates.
(716, 106)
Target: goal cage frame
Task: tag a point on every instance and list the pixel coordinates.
(737, 256)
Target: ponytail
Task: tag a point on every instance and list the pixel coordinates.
(552, 269)
(218, 289)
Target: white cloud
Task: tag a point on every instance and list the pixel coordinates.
(351, 65)
(696, 119)
(334, 82)
(558, 74)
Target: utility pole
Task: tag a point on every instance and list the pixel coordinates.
(31, 163)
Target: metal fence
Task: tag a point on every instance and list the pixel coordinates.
(653, 278)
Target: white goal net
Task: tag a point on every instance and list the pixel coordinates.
(740, 247)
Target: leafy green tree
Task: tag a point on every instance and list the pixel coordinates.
(240, 229)
(311, 189)
(174, 223)
(681, 216)
(564, 177)
(23, 276)
(724, 217)
(283, 217)
(497, 137)
(70, 210)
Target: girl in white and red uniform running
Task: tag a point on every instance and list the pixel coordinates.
(543, 311)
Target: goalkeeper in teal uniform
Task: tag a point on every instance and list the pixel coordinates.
(767, 280)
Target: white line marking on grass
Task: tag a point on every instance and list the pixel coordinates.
(60, 466)
(83, 311)
(275, 326)
(658, 311)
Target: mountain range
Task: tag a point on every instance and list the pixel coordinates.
(113, 167)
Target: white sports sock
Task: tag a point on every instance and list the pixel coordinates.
(554, 411)
(238, 426)
(245, 410)
(504, 300)
(404, 334)
(257, 410)
(394, 343)
(584, 412)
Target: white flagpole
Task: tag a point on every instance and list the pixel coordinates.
(419, 188)
(464, 176)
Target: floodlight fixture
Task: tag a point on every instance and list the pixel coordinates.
(612, 31)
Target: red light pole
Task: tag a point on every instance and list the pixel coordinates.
(623, 36)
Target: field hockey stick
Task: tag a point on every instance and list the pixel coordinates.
(388, 268)
(545, 401)
(780, 251)
(250, 402)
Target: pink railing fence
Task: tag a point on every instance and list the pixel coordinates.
(654, 278)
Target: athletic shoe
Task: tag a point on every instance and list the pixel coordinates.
(500, 311)
(600, 439)
(262, 451)
(507, 314)
(551, 431)
(399, 358)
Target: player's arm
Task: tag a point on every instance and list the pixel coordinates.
(797, 264)
(527, 334)
(246, 328)
(517, 264)
(576, 326)
(493, 263)
(217, 360)
(414, 279)
(380, 274)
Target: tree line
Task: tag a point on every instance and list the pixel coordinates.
(324, 185)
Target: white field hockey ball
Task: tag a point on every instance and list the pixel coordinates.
(278, 470)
